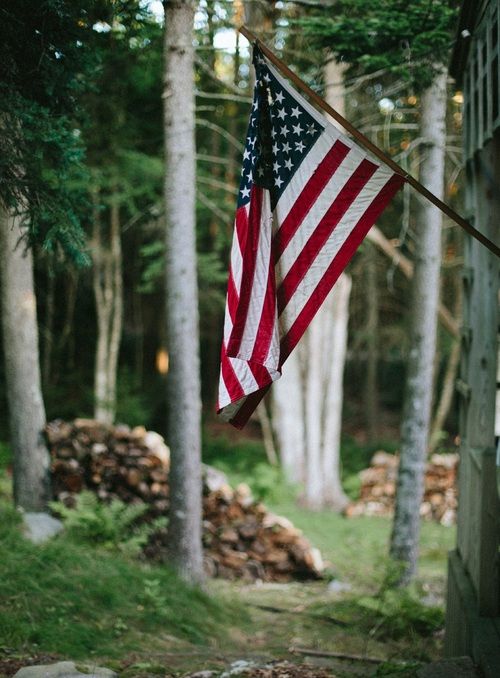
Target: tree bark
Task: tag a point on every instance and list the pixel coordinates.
(182, 294)
(22, 368)
(48, 329)
(425, 292)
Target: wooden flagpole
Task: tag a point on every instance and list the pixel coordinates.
(364, 141)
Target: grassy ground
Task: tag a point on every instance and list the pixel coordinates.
(76, 601)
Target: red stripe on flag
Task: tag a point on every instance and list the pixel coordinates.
(323, 231)
(343, 257)
(249, 405)
(310, 193)
(248, 270)
(241, 227)
(231, 381)
(232, 296)
(265, 330)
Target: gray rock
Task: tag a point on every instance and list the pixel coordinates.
(213, 478)
(455, 667)
(337, 586)
(39, 527)
(64, 670)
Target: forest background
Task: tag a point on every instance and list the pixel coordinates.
(97, 219)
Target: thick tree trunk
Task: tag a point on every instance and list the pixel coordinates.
(22, 368)
(108, 293)
(425, 293)
(182, 294)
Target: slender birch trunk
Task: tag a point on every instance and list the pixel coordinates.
(425, 296)
(337, 308)
(22, 368)
(108, 293)
(450, 375)
(287, 398)
(182, 293)
(372, 321)
(312, 346)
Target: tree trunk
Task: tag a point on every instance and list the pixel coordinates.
(425, 293)
(22, 368)
(48, 329)
(108, 293)
(313, 345)
(447, 392)
(288, 419)
(267, 433)
(371, 384)
(182, 294)
(450, 375)
(334, 352)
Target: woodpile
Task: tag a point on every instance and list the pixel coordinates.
(241, 538)
(378, 488)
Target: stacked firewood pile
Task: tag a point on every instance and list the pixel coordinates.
(378, 488)
(241, 538)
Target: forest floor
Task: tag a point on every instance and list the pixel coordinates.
(73, 601)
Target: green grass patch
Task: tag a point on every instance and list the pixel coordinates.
(81, 601)
(357, 548)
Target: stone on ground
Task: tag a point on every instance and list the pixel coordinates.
(40, 527)
(64, 670)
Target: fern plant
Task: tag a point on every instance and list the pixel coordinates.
(113, 525)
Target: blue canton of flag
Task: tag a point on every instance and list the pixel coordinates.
(280, 134)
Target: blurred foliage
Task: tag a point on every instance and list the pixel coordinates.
(407, 39)
(246, 462)
(45, 57)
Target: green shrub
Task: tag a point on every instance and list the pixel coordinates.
(398, 613)
(112, 525)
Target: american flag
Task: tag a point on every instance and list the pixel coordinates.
(308, 196)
